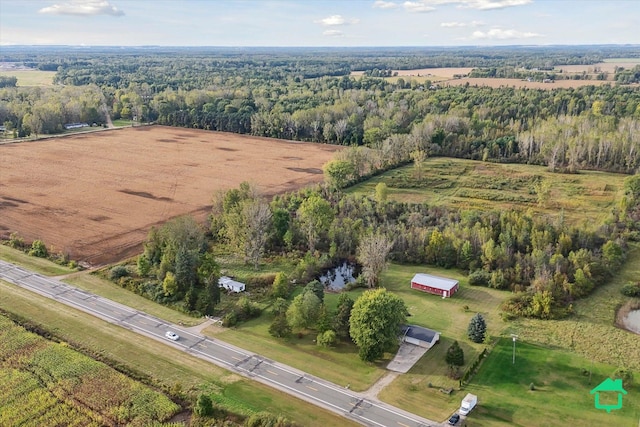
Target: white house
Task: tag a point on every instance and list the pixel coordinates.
(231, 285)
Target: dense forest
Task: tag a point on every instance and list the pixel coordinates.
(309, 95)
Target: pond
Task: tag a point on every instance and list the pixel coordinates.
(338, 277)
(632, 321)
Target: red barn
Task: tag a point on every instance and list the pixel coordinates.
(434, 285)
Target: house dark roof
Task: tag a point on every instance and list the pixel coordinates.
(418, 332)
(434, 281)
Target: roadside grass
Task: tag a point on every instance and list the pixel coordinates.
(165, 365)
(562, 390)
(121, 123)
(40, 265)
(591, 332)
(583, 198)
(339, 365)
(105, 288)
(419, 389)
(31, 77)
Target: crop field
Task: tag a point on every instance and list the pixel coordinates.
(95, 196)
(468, 184)
(608, 65)
(423, 74)
(46, 384)
(30, 77)
(517, 83)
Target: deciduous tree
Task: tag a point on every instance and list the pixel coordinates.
(372, 253)
(375, 322)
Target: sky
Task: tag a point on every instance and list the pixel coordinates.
(318, 22)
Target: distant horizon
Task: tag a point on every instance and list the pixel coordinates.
(329, 23)
(83, 46)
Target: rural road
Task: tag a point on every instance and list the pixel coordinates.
(355, 406)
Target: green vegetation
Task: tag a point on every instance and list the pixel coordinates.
(562, 384)
(466, 184)
(159, 363)
(40, 265)
(43, 382)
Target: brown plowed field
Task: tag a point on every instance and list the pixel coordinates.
(95, 196)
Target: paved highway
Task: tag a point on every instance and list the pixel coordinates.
(347, 403)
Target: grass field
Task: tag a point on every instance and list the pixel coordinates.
(562, 390)
(448, 316)
(467, 184)
(160, 362)
(39, 265)
(46, 383)
(31, 77)
(591, 332)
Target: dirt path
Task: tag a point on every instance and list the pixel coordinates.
(373, 391)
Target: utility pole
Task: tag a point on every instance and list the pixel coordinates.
(514, 337)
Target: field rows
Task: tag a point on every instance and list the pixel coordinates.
(47, 384)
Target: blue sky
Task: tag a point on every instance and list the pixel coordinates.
(319, 23)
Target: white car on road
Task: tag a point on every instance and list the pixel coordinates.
(172, 336)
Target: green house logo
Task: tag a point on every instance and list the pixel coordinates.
(609, 386)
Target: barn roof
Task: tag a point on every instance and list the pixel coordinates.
(434, 281)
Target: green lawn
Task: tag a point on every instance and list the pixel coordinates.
(411, 391)
(562, 390)
(31, 77)
(586, 197)
(163, 363)
(39, 265)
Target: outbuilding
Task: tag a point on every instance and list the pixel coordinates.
(231, 285)
(434, 284)
(417, 335)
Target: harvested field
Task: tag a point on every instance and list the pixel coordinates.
(600, 67)
(434, 74)
(517, 83)
(95, 196)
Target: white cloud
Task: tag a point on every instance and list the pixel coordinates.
(418, 7)
(493, 4)
(379, 4)
(333, 33)
(429, 5)
(499, 34)
(82, 8)
(334, 20)
(461, 24)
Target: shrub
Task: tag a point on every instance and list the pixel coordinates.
(631, 290)
(624, 374)
(479, 278)
(16, 241)
(532, 387)
(230, 319)
(118, 271)
(204, 406)
(38, 249)
(327, 339)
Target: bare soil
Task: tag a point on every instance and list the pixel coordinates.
(517, 83)
(95, 196)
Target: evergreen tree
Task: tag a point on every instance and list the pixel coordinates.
(455, 355)
(477, 328)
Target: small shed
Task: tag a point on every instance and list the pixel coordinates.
(434, 284)
(417, 335)
(231, 285)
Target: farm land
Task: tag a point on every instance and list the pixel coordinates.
(30, 77)
(47, 383)
(95, 196)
